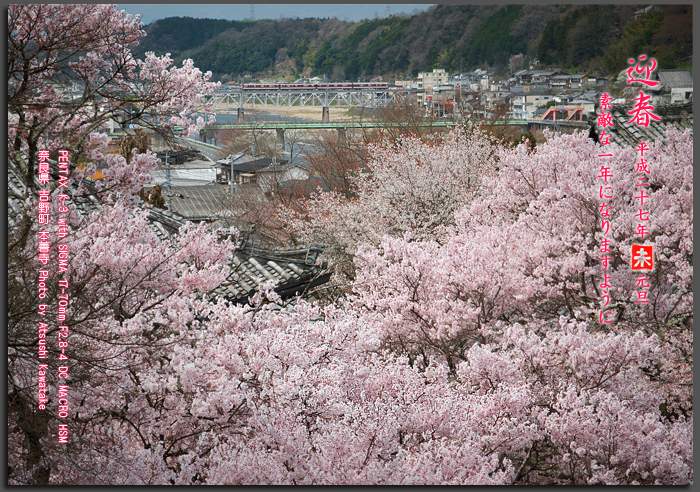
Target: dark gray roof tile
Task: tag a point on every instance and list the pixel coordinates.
(295, 269)
(626, 133)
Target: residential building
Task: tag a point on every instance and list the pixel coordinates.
(198, 203)
(526, 104)
(428, 80)
(431, 79)
(296, 270)
(577, 81)
(534, 76)
(279, 172)
(193, 173)
(677, 85)
(223, 166)
(585, 105)
(560, 81)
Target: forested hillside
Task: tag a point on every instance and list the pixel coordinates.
(593, 38)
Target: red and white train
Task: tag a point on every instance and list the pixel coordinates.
(339, 85)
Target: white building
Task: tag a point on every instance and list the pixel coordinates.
(679, 83)
(431, 79)
(428, 80)
(526, 104)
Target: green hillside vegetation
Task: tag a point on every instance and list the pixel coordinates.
(594, 38)
(177, 34)
(256, 48)
(667, 36)
(493, 42)
(349, 61)
(581, 35)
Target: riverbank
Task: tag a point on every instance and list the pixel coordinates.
(307, 113)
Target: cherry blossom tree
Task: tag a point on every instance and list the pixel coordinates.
(212, 393)
(527, 251)
(408, 185)
(516, 62)
(532, 240)
(469, 352)
(125, 283)
(309, 397)
(51, 47)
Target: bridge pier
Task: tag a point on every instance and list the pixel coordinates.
(325, 115)
(240, 115)
(280, 137)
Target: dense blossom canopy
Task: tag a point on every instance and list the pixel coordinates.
(468, 353)
(408, 185)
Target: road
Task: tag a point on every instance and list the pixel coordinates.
(211, 152)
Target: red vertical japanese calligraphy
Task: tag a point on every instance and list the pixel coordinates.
(642, 255)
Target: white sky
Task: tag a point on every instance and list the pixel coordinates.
(240, 11)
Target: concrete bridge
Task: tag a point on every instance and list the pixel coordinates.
(325, 125)
(342, 126)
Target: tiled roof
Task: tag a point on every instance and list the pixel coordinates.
(536, 93)
(675, 78)
(239, 158)
(295, 270)
(17, 190)
(283, 166)
(679, 116)
(252, 166)
(198, 203)
(184, 176)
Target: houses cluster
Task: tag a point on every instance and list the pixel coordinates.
(238, 190)
(201, 189)
(268, 173)
(530, 94)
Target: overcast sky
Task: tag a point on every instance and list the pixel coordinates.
(240, 11)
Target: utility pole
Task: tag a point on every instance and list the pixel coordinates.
(167, 179)
(167, 170)
(232, 181)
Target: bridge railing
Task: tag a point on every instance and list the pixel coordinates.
(277, 125)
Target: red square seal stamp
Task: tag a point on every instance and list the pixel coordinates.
(642, 257)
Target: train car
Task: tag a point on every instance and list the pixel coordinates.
(371, 85)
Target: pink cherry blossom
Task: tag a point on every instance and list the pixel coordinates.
(467, 352)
